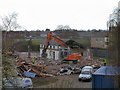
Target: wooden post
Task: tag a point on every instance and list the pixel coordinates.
(29, 47)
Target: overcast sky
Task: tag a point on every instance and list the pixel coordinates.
(42, 14)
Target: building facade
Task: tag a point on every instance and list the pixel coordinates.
(99, 42)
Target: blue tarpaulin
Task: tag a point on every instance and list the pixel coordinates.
(29, 74)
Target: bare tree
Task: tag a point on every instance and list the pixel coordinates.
(114, 18)
(61, 27)
(67, 27)
(9, 23)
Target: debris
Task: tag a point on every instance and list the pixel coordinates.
(49, 75)
(31, 70)
(76, 69)
(69, 69)
(65, 69)
(87, 62)
(29, 74)
(50, 68)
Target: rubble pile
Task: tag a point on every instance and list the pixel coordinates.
(31, 70)
(49, 67)
(88, 62)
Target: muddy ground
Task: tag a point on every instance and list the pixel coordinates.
(67, 81)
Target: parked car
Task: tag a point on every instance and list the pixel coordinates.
(17, 83)
(76, 69)
(65, 69)
(88, 68)
(86, 73)
(68, 72)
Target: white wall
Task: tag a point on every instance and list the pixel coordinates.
(57, 55)
(51, 56)
(41, 52)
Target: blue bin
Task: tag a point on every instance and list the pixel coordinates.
(104, 77)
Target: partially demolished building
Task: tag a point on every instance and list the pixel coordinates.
(55, 51)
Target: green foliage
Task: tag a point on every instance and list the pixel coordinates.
(10, 43)
(35, 47)
(84, 42)
(8, 64)
(23, 46)
(37, 41)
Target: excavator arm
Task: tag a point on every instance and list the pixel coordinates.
(56, 38)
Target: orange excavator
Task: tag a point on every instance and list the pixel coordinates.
(71, 57)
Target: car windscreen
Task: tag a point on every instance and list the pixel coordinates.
(86, 69)
(86, 73)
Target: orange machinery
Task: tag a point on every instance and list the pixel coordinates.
(9, 51)
(74, 56)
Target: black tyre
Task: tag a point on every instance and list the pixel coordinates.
(79, 79)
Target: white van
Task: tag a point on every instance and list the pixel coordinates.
(18, 83)
(86, 73)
